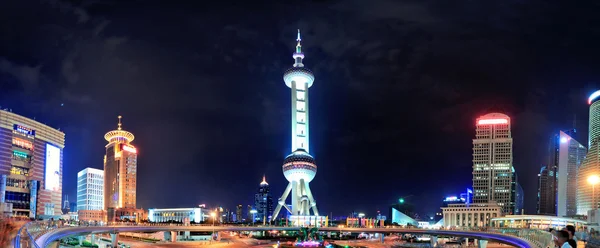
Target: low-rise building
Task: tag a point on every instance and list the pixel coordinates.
(91, 215)
(470, 215)
(542, 222)
(195, 215)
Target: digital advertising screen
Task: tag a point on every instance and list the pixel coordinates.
(52, 177)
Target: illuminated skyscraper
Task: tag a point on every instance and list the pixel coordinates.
(587, 192)
(31, 167)
(566, 157)
(594, 125)
(263, 202)
(90, 189)
(299, 167)
(492, 162)
(120, 171)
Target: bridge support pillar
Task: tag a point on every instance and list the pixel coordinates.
(434, 241)
(466, 242)
(80, 238)
(382, 238)
(114, 239)
(482, 243)
(93, 239)
(173, 237)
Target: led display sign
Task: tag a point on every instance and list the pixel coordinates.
(23, 130)
(492, 121)
(52, 177)
(129, 148)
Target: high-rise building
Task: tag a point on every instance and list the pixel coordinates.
(120, 172)
(517, 196)
(73, 206)
(299, 168)
(31, 166)
(238, 213)
(493, 163)
(594, 121)
(566, 157)
(90, 189)
(66, 206)
(546, 198)
(263, 201)
(249, 214)
(587, 195)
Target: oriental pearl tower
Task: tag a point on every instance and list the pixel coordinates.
(299, 167)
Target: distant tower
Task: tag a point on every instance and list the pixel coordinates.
(120, 171)
(299, 168)
(66, 205)
(492, 162)
(263, 201)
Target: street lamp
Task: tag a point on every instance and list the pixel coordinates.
(593, 180)
(214, 216)
(253, 212)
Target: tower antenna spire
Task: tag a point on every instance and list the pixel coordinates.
(119, 123)
(298, 46)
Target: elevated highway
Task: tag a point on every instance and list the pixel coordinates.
(509, 238)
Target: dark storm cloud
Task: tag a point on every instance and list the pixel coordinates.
(201, 87)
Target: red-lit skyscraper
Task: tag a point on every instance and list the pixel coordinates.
(493, 172)
(120, 172)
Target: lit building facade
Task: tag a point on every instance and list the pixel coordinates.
(120, 172)
(587, 195)
(546, 198)
(299, 168)
(566, 157)
(594, 121)
(31, 167)
(195, 215)
(263, 202)
(90, 189)
(91, 215)
(471, 215)
(540, 222)
(493, 162)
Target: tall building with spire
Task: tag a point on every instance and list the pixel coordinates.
(299, 168)
(120, 172)
(66, 205)
(263, 202)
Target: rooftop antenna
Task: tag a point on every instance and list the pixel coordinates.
(119, 122)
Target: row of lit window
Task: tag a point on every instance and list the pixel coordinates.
(22, 143)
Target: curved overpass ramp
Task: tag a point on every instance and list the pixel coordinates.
(57, 234)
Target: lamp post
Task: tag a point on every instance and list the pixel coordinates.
(253, 212)
(593, 180)
(214, 216)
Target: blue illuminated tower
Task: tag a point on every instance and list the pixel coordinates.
(299, 168)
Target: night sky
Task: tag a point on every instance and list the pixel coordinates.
(398, 87)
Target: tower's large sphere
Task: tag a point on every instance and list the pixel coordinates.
(299, 75)
(299, 165)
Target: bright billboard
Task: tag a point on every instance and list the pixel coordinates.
(52, 177)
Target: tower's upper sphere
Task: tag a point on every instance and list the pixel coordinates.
(119, 135)
(299, 75)
(299, 165)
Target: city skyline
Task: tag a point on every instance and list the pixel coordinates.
(195, 101)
